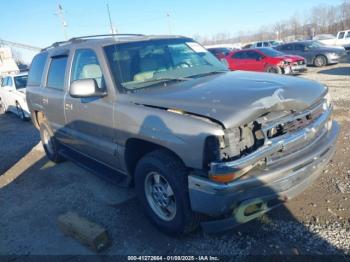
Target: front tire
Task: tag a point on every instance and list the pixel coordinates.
(274, 70)
(161, 183)
(20, 112)
(320, 61)
(50, 143)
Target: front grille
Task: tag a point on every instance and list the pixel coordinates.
(295, 123)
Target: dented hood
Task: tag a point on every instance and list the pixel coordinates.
(234, 98)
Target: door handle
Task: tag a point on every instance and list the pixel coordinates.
(68, 106)
(45, 101)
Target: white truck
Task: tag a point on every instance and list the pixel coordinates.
(342, 39)
(13, 95)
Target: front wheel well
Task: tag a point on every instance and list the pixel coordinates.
(136, 148)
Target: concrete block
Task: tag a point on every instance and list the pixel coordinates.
(88, 233)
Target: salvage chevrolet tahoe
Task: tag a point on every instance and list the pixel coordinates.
(201, 144)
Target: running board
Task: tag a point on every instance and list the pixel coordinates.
(102, 171)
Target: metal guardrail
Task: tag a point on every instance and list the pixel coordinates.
(14, 44)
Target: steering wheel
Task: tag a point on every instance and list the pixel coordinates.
(182, 65)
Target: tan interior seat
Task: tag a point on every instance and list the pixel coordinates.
(92, 71)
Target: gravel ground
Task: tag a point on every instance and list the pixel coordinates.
(34, 191)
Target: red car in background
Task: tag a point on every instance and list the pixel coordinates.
(265, 60)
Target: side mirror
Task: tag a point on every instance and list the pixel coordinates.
(85, 88)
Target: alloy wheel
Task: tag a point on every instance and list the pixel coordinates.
(160, 196)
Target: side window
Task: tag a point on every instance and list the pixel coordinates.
(252, 55)
(348, 35)
(266, 44)
(287, 47)
(9, 81)
(238, 55)
(259, 44)
(37, 69)
(86, 66)
(341, 35)
(21, 81)
(299, 47)
(4, 81)
(55, 78)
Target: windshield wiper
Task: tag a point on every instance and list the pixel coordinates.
(209, 73)
(165, 79)
(155, 81)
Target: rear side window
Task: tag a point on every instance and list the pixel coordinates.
(239, 55)
(259, 44)
(37, 69)
(55, 78)
(286, 47)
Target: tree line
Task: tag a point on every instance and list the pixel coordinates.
(322, 19)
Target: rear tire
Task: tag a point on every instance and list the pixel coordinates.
(161, 182)
(50, 143)
(320, 61)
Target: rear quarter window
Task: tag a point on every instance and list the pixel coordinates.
(37, 69)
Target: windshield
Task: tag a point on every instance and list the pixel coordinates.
(270, 52)
(21, 81)
(324, 37)
(142, 64)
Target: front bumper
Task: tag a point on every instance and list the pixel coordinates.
(264, 188)
(295, 69)
(337, 59)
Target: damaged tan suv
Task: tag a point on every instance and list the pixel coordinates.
(202, 145)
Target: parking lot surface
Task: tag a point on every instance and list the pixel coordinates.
(34, 192)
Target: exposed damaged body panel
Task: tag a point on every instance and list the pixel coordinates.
(235, 98)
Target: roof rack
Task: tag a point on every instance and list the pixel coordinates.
(104, 35)
(80, 38)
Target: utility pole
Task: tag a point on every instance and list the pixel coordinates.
(113, 29)
(63, 21)
(168, 21)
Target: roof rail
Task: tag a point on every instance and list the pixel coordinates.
(103, 35)
(56, 44)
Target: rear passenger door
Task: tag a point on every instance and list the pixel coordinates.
(89, 121)
(53, 92)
